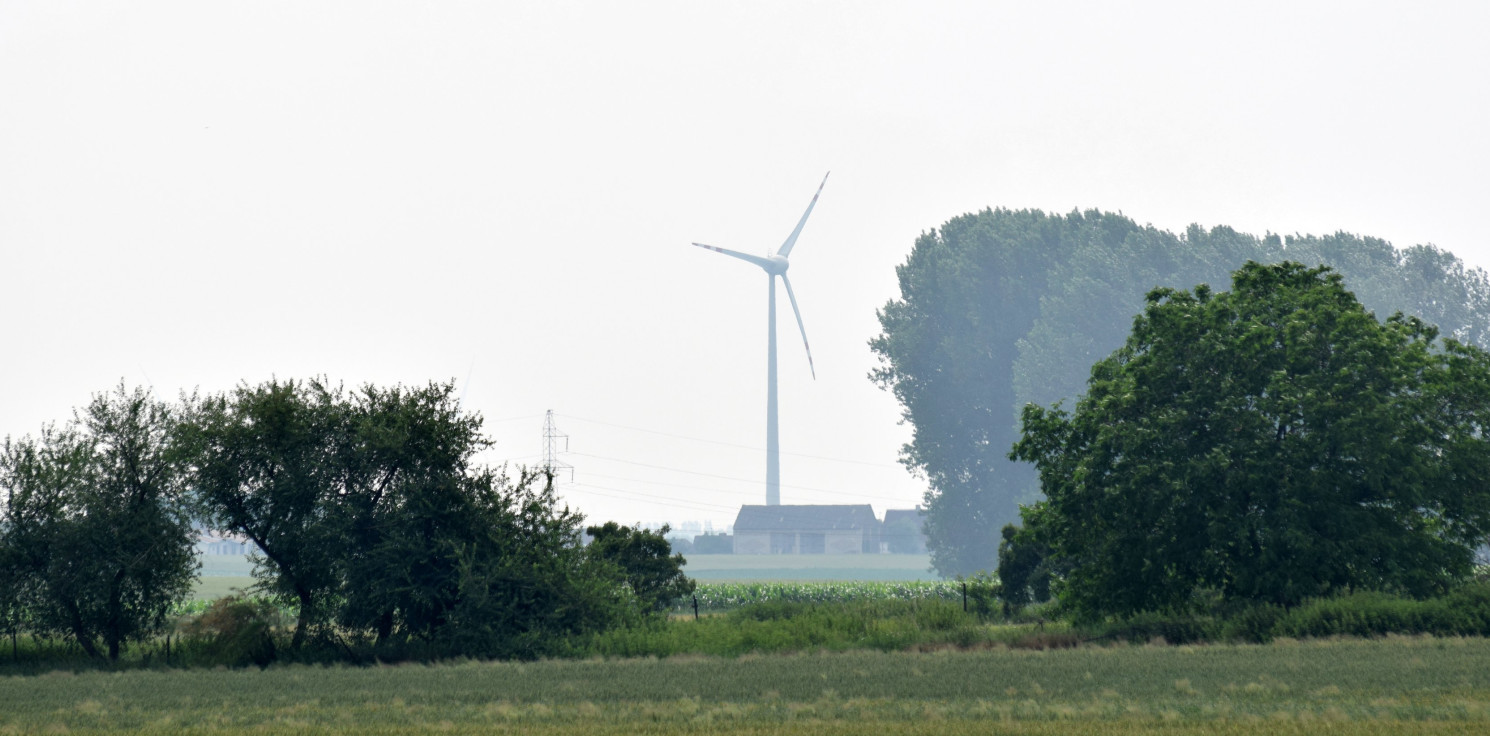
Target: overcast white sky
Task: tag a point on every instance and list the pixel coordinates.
(196, 194)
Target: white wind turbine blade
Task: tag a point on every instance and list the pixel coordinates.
(791, 240)
(798, 312)
(757, 260)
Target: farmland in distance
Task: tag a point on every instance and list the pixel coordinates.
(222, 574)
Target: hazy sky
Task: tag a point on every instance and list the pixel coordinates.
(196, 194)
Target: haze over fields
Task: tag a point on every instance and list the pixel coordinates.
(193, 195)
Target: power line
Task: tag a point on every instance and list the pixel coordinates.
(730, 444)
(510, 419)
(726, 477)
(726, 490)
(514, 459)
(631, 496)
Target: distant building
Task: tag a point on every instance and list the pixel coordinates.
(806, 530)
(713, 544)
(209, 543)
(904, 531)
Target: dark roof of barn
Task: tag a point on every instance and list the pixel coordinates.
(814, 518)
(916, 516)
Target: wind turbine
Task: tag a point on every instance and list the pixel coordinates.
(776, 265)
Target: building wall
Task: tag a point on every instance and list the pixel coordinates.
(845, 542)
(752, 543)
(791, 542)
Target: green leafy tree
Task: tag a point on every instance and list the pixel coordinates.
(526, 580)
(13, 597)
(97, 539)
(1024, 569)
(405, 497)
(969, 291)
(428, 537)
(680, 545)
(652, 573)
(372, 517)
(266, 467)
(1274, 442)
(1003, 308)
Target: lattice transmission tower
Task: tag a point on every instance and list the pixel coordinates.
(552, 465)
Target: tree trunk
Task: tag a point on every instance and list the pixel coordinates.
(302, 623)
(385, 626)
(80, 632)
(114, 633)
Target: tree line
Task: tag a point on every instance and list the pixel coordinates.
(372, 521)
(1270, 444)
(1004, 308)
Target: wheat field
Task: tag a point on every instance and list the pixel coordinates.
(1414, 685)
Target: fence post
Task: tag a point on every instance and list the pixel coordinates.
(695, 608)
(964, 597)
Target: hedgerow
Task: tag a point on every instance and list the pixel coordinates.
(1464, 611)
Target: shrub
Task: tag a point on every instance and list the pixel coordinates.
(1253, 624)
(1174, 628)
(1463, 612)
(645, 562)
(938, 616)
(234, 631)
(984, 595)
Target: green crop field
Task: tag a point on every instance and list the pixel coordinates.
(1393, 685)
(809, 567)
(222, 574)
(723, 596)
(712, 595)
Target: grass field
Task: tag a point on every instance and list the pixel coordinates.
(217, 587)
(221, 574)
(1394, 685)
(225, 566)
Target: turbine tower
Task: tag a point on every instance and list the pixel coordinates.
(776, 265)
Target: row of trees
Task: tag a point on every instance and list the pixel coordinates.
(1003, 308)
(371, 518)
(1271, 444)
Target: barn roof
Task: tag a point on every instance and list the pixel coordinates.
(916, 516)
(811, 518)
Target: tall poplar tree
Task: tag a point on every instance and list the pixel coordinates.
(1002, 308)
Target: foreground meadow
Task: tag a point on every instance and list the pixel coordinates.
(1393, 685)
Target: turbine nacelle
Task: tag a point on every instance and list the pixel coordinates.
(776, 265)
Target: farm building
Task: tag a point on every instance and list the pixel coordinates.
(218, 543)
(806, 530)
(904, 531)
